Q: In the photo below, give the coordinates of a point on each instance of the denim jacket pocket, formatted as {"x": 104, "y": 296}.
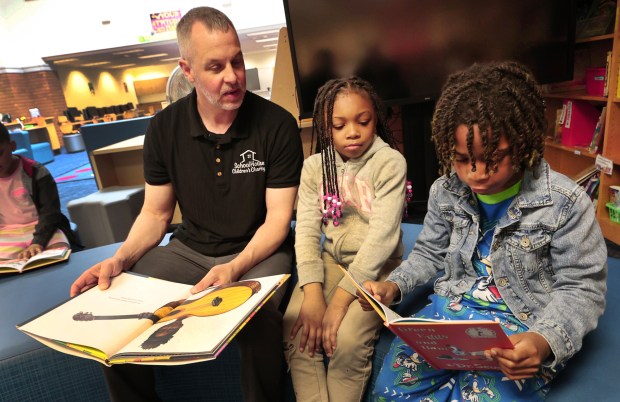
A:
{"x": 528, "y": 252}
{"x": 459, "y": 223}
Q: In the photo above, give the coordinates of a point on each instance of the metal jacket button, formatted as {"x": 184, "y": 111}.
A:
{"x": 525, "y": 242}
{"x": 502, "y": 282}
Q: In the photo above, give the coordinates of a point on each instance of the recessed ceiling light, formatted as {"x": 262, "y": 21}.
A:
{"x": 65, "y": 61}
{"x": 123, "y": 65}
{"x": 170, "y": 59}
{"x": 271, "y": 31}
{"x": 266, "y": 40}
{"x": 271, "y": 45}
{"x": 150, "y": 56}
{"x": 99, "y": 63}
{"x": 129, "y": 51}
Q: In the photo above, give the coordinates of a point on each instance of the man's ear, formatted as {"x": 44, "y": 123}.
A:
{"x": 187, "y": 70}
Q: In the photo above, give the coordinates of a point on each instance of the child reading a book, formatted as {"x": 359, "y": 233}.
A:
{"x": 352, "y": 193}
{"x": 506, "y": 239}
{"x": 30, "y": 216}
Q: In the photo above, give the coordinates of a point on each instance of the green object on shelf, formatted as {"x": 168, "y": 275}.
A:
{"x": 614, "y": 212}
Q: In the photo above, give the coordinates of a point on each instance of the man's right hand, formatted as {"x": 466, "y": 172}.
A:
{"x": 99, "y": 274}
{"x": 385, "y": 292}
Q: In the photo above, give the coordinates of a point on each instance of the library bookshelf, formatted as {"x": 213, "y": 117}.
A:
{"x": 591, "y": 52}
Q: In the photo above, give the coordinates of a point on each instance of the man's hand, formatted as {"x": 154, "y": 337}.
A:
{"x": 31, "y": 251}
{"x": 98, "y": 274}
{"x": 218, "y": 275}
{"x": 385, "y": 292}
{"x": 310, "y": 319}
{"x": 524, "y": 361}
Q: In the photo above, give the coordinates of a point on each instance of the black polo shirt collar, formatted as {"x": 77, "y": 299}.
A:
{"x": 236, "y": 129}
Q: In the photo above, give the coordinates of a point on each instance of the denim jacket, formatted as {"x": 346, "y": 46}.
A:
{"x": 548, "y": 255}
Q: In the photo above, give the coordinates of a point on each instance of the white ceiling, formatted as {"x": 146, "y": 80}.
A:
{"x": 252, "y": 40}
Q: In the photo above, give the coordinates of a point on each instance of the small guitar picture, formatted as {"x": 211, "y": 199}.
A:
{"x": 220, "y": 300}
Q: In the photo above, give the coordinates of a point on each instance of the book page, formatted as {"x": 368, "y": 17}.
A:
{"x": 48, "y": 257}
{"x": 40, "y": 259}
{"x": 387, "y": 314}
{"x": 11, "y": 265}
{"x": 106, "y": 320}
{"x": 204, "y": 323}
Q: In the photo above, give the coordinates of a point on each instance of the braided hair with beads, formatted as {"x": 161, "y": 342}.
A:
{"x": 502, "y": 98}
{"x": 322, "y": 126}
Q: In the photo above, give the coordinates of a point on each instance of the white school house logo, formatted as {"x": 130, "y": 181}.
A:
{"x": 248, "y": 164}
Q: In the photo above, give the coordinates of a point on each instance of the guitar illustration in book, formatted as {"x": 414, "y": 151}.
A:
{"x": 220, "y": 300}
{"x": 135, "y": 321}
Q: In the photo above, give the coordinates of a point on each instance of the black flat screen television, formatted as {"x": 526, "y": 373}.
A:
{"x": 407, "y": 48}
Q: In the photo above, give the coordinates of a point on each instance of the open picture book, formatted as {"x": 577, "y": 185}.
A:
{"x": 444, "y": 344}
{"x": 145, "y": 320}
{"x": 46, "y": 257}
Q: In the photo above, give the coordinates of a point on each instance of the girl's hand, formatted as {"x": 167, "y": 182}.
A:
{"x": 331, "y": 322}
{"x": 30, "y": 252}
{"x": 524, "y": 361}
{"x": 385, "y": 292}
{"x": 309, "y": 320}
{"x": 338, "y": 307}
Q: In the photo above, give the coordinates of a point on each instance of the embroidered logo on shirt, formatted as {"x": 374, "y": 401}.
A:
{"x": 248, "y": 164}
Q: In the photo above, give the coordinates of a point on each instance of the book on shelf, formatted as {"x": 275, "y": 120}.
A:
{"x": 44, "y": 258}
{"x": 599, "y": 132}
{"x": 144, "y": 320}
{"x": 592, "y": 184}
{"x": 444, "y": 344}
{"x": 583, "y": 176}
{"x": 607, "y": 72}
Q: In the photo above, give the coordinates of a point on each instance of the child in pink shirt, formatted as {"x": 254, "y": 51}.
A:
{"x": 30, "y": 216}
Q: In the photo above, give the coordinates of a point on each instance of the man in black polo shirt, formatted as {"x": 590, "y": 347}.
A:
{"x": 232, "y": 161}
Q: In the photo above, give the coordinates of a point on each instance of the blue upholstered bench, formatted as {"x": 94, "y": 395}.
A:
{"x": 40, "y": 152}
{"x": 30, "y": 371}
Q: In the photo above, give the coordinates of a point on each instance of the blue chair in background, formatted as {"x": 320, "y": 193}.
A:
{"x": 23, "y": 143}
{"x": 40, "y": 152}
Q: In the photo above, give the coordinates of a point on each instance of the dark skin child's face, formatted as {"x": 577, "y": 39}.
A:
{"x": 8, "y": 162}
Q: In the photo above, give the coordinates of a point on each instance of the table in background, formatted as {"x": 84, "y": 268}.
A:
{"x": 121, "y": 164}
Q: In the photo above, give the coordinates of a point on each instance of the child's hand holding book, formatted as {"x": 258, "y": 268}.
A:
{"x": 524, "y": 361}
{"x": 385, "y": 292}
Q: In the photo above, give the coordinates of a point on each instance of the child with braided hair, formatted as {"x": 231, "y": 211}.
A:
{"x": 352, "y": 193}
{"x": 505, "y": 238}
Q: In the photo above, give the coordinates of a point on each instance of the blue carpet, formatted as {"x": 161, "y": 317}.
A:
{"x": 67, "y": 162}
{"x": 63, "y": 165}
{"x": 83, "y": 173}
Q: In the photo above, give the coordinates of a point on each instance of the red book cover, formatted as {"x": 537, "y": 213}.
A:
{"x": 444, "y": 344}
{"x": 452, "y": 345}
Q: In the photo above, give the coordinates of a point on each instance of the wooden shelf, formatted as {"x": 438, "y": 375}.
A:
{"x": 591, "y": 52}
{"x": 610, "y": 229}
{"x": 598, "y": 38}
{"x": 576, "y": 95}
{"x": 580, "y": 151}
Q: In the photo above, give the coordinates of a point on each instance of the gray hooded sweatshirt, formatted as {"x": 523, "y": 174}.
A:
{"x": 372, "y": 189}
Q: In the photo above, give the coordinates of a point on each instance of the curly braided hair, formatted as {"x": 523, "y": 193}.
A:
{"x": 501, "y": 98}
{"x": 322, "y": 123}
